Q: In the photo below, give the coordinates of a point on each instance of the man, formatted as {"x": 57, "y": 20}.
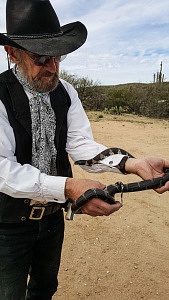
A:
{"x": 41, "y": 122}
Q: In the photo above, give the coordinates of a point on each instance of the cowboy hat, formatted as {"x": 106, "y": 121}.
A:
{"x": 33, "y": 25}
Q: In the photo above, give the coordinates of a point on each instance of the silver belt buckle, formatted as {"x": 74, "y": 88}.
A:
{"x": 34, "y": 212}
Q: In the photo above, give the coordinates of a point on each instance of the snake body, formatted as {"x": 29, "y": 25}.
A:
{"x": 105, "y": 153}
{"x": 107, "y": 194}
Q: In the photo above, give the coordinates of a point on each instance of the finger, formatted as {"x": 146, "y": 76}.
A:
{"x": 97, "y": 207}
{"x": 166, "y": 164}
{"x": 93, "y": 207}
{"x": 163, "y": 189}
{"x": 111, "y": 208}
{"x": 103, "y": 212}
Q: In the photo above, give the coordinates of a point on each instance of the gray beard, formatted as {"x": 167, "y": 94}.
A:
{"x": 36, "y": 84}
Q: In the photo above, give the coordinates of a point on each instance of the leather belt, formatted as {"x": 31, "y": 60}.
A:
{"x": 39, "y": 211}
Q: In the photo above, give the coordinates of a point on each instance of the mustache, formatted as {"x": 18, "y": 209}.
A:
{"x": 48, "y": 74}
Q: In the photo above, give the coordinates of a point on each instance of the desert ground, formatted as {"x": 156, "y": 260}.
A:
{"x": 124, "y": 256}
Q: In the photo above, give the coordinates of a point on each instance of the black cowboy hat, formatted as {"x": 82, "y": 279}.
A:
{"x": 33, "y": 25}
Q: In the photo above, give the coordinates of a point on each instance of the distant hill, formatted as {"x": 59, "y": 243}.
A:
{"x": 136, "y": 85}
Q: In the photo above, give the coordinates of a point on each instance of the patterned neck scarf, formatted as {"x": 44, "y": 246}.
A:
{"x": 43, "y": 128}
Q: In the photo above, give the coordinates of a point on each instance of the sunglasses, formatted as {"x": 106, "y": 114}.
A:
{"x": 42, "y": 60}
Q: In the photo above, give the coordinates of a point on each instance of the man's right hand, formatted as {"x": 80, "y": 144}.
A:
{"x": 74, "y": 188}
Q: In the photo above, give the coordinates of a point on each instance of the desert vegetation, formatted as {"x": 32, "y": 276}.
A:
{"x": 146, "y": 99}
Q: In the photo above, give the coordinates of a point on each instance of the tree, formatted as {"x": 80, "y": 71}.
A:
{"x": 87, "y": 89}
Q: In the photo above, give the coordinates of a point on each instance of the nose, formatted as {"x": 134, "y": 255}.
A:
{"x": 52, "y": 65}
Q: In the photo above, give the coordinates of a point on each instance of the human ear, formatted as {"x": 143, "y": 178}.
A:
{"x": 11, "y": 51}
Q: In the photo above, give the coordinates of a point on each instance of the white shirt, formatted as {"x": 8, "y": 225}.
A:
{"x": 26, "y": 181}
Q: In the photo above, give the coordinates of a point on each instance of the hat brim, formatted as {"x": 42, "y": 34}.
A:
{"x": 74, "y": 36}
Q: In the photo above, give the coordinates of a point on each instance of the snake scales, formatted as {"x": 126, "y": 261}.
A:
{"x": 102, "y": 155}
{"x": 107, "y": 194}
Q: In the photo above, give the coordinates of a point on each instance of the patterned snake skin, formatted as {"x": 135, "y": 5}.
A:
{"x": 108, "y": 193}
{"x": 102, "y": 155}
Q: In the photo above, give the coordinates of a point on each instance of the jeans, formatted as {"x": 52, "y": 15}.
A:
{"x": 34, "y": 248}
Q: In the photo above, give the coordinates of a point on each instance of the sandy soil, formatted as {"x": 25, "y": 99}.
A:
{"x": 124, "y": 256}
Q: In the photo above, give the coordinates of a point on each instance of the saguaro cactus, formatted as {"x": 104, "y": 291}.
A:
{"x": 159, "y": 77}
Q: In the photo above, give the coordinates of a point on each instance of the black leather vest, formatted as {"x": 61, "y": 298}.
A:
{"x": 17, "y": 106}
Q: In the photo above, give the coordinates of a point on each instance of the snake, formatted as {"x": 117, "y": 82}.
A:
{"x": 105, "y": 153}
{"x": 108, "y": 193}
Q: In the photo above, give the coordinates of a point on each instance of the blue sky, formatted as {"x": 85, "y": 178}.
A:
{"x": 126, "y": 42}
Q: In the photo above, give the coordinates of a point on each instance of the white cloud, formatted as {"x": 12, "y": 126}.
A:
{"x": 2, "y": 16}
{"x": 127, "y": 39}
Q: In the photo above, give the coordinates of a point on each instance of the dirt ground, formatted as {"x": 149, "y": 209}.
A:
{"x": 124, "y": 256}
